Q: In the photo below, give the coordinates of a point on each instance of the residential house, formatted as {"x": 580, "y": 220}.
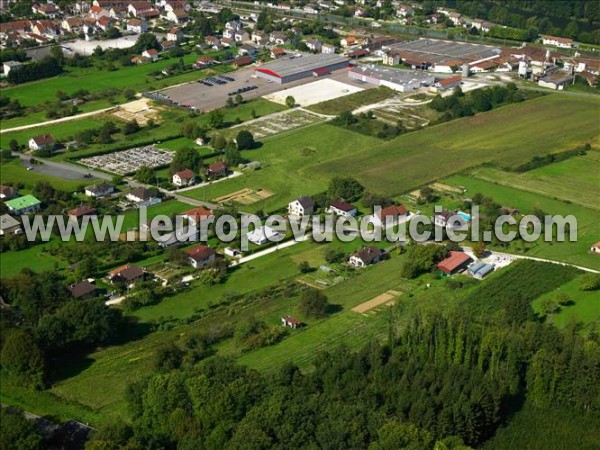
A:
{"x": 42, "y": 142}
{"x": 328, "y": 49}
{"x": 48, "y": 10}
{"x": 264, "y": 235}
{"x": 390, "y": 215}
{"x": 278, "y": 38}
{"x": 96, "y": 12}
{"x": 7, "y": 192}
{"x": 404, "y": 10}
{"x": 241, "y": 35}
{"x": 136, "y": 9}
{"x": 151, "y": 54}
{"x": 82, "y": 290}
{"x": 127, "y": 274}
{"x": 213, "y": 41}
{"x": 119, "y": 12}
{"x": 99, "y": 190}
{"x": 314, "y": 45}
{"x": 446, "y": 83}
{"x": 201, "y": 256}
{"x": 81, "y": 211}
{"x": 303, "y": 206}
{"x": 227, "y": 42}
{"x": 166, "y": 46}
{"x": 104, "y": 23}
{"x": 247, "y": 49}
{"x": 447, "y": 219}
{"x": 259, "y": 37}
{"x": 203, "y": 61}
{"x": 348, "y": 41}
{"x": 196, "y": 215}
{"x": 9, "y": 225}
{"x": 454, "y": 262}
{"x": 23, "y": 205}
{"x": 72, "y": 24}
{"x": 137, "y": 26}
{"x": 277, "y": 52}
{"x": 143, "y": 197}
{"x": 184, "y": 177}
{"x": 175, "y": 34}
{"x": 7, "y": 66}
{"x": 366, "y": 256}
{"x": 341, "y": 208}
{"x": 557, "y": 41}
{"x": 177, "y": 16}
{"x": 291, "y": 322}
{"x": 217, "y": 169}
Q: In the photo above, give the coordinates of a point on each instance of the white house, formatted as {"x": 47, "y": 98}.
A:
{"x": 264, "y": 235}
{"x": 184, "y": 177}
{"x": 314, "y": 45}
{"x": 304, "y": 206}
{"x": 99, "y": 190}
{"x": 390, "y": 216}
{"x": 201, "y": 256}
{"x": 137, "y": 26}
{"x": 447, "y": 219}
{"x": 366, "y": 256}
{"x": 41, "y": 142}
{"x": 151, "y": 54}
{"x": 557, "y": 41}
{"x": 328, "y": 49}
{"x": 341, "y": 208}
{"x": 142, "y": 197}
{"x": 194, "y": 216}
{"x": 175, "y": 34}
{"x": 595, "y": 248}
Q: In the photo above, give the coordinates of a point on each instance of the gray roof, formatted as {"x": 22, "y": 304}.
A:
{"x": 306, "y": 202}
{"x": 397, "y": 76}
{"x": 7, "y": 221}
{"x": 303, "y": 63}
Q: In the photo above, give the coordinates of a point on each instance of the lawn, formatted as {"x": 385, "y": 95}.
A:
{"x": 60, "y": 131}
{"x": 575, "y": 180}
{"x": 168, "y": 208}
{"x": 584, "y": 309}
{"x": 285, "y": 159}
{"x": 507, "y": 136}
{"x": 352, "y": 101}
{"x": 34, "y": 258}
{"x": 95, "y": 79}
{"x": 588, "y": 227}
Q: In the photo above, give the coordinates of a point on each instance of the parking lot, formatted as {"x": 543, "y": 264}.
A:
{"x": 205, "y": 97}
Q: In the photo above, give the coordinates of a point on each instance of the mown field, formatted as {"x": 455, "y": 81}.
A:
{"x": 575, "y": 180}
{"x": 284, "y": 158}
{"x": 352, "y": 101}
{"x": 507, "y": 137}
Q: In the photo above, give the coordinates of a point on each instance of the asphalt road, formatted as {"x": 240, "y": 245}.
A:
{"x": 66, "y": 171}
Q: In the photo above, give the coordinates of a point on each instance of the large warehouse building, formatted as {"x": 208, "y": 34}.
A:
{"x": 301, "y": 66}
{"x": 396, "y": 79}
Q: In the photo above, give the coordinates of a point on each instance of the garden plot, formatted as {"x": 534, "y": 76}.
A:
{"x": 386, "y": 298}
{"x": 411, "y": 118}
{"x": 278, "y": 123}
{"x": 129, "y": 161}
{"x": 245, "y": 196}
{"x": 141, "y": 111}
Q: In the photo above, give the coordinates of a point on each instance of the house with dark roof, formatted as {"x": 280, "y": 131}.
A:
{"x": 143, "y": 197}
{"x": 303, "y": 206}
{"x": 82, "y": 290}
{"x": 7, "y": 192}
{"x": 366, "y": 256}
{"x": 99, "y": 190}
{"x": 41, "y": 142}
{"x": 127, "y": 274}
{"x": 454, "y": 262}
{"x": 201, "y": 256}
{"x": 216, "y": 170}
{"x": 9, "y": 225}
{"x": 184, "y": 178}
{"x": 341, "y": 208}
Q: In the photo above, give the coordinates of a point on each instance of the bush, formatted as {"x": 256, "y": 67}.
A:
{"x": 313, "y": 303}
{"x": 245, "y": 140}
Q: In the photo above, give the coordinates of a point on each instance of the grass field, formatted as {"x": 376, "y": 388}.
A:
{"x": 575, "y": 180}
{"x": 60, "y": 131}
{"x": 11, "y": 263}
{"x": 352, "y": 101}
{"x": 284, "y": 158}
{"x": 134, "y": 77}
{"x": 588, "y": 227}
{"x": 507, "y": 136}
{"x": 585, "y": 307}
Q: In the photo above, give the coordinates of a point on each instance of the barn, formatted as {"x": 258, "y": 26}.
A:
{"x": 301, "y": 66}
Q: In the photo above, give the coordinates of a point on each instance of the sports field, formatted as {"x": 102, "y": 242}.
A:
{"x": 508, "y": 136}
